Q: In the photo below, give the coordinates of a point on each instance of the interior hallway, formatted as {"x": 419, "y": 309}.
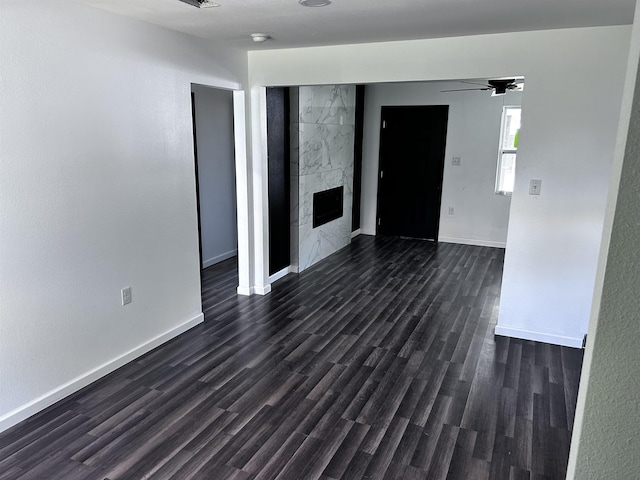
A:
{"x": 378, "y": 362}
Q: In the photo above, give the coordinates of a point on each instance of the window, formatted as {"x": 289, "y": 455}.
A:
{"x": 508, "y": 148}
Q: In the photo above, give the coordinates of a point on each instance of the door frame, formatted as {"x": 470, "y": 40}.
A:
{"x": 242, "y": 184}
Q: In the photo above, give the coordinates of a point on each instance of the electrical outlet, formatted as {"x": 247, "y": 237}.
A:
{"x": 126, "y": 295}
{"x": 456, "y": 161}
{"x": 452, "y": 211}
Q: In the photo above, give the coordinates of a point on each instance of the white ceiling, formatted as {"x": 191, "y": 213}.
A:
{"x": 359, "y": 21}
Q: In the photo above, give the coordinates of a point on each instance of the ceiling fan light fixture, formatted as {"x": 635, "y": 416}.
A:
{"x": 314, "y": 3}
{"x": 201, "y": 3}
{"x": 260, "y": 37}
{"x": 500, "y": 86}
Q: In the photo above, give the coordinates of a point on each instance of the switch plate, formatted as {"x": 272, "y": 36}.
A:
{"x": 126, "y": 295}
{"x": 535, "y": 186}
{"x": 452, "y": 211}
{"x": 456, "y": 161}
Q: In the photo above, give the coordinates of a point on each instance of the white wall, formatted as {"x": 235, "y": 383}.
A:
{"x": 97, "y": 192}
{"x": 216, "y": 174}
{"x": 553, "y": 239}
{"x": 481, "y": 217}
{"x": 606, "y": 436}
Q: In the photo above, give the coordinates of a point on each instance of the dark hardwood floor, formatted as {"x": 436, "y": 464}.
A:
{"x": 380, "y": 363}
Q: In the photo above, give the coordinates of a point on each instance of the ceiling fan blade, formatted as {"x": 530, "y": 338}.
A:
{"x": 465, "y": 90}
{"x": 475, "y": 83}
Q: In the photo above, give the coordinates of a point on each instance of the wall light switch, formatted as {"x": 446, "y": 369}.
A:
{"x": 456, "y": 161}
{"x": 535, "y": 186}
{"x": 452, "y": 211}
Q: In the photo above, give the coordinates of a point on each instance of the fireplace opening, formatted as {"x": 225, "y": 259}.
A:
{"x": 327, "y": 206}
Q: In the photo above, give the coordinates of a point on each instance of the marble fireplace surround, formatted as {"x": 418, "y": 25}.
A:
{"x": 322, "y": 147}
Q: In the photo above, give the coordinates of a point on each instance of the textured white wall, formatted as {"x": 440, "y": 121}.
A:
{"x": 610, "y": 431}
{"x": 553, "y": 239}
{"x": 473, "y": 132}
{"x": 606, "y": 435}
{"x": 97, "y": 192}
{"x": 216, "y": 174}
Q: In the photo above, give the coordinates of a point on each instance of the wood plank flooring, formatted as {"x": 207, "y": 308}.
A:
{"x": 379, "y": 363}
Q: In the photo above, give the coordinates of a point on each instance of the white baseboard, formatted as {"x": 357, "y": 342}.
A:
{"x": 278, "y": 275}
{"x": 262, "y": 290}
{"x": 246, "y": 291}
{"x": 34, "y": 406}
{"x": 255, "y": 290}
{"x": 355, "y": 233}
{"x": 554, "y": 339}
{"x": 472, "y": 241}
{"x": 294, "y": 268}
{"x": 219, "y": 258}
{"x": 371, "y": 233}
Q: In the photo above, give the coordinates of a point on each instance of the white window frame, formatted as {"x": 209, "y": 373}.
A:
{"x": 505, "y": 151}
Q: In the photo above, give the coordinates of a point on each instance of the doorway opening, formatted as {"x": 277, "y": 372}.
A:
{"x": 216, "y": 196}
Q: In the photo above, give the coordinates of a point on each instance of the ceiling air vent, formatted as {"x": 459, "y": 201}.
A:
{"x": 201, "y": 3}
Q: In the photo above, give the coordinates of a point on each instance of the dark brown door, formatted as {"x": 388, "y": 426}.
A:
{"x": 412, "y": 146}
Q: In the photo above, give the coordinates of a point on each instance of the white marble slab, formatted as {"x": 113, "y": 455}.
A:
{"x": 309, "y": 246}
{"x": 328, "y": 104}
{"x": 323, "y": 135}
{"x": 325, "y": 147}
{"x": 294, "y": 147}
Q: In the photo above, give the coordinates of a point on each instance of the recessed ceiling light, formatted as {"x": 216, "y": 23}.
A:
{"x": 260, "y": 37}
{"x": 314, "y": 3}
{"x": 201, "y": 3}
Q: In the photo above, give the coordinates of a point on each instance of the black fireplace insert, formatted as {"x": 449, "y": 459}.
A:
{"x": 327, "y": 206}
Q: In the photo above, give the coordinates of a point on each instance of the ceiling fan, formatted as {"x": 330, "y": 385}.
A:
{"x": 201, "y": 3}
{"x": 498, "y": 86}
